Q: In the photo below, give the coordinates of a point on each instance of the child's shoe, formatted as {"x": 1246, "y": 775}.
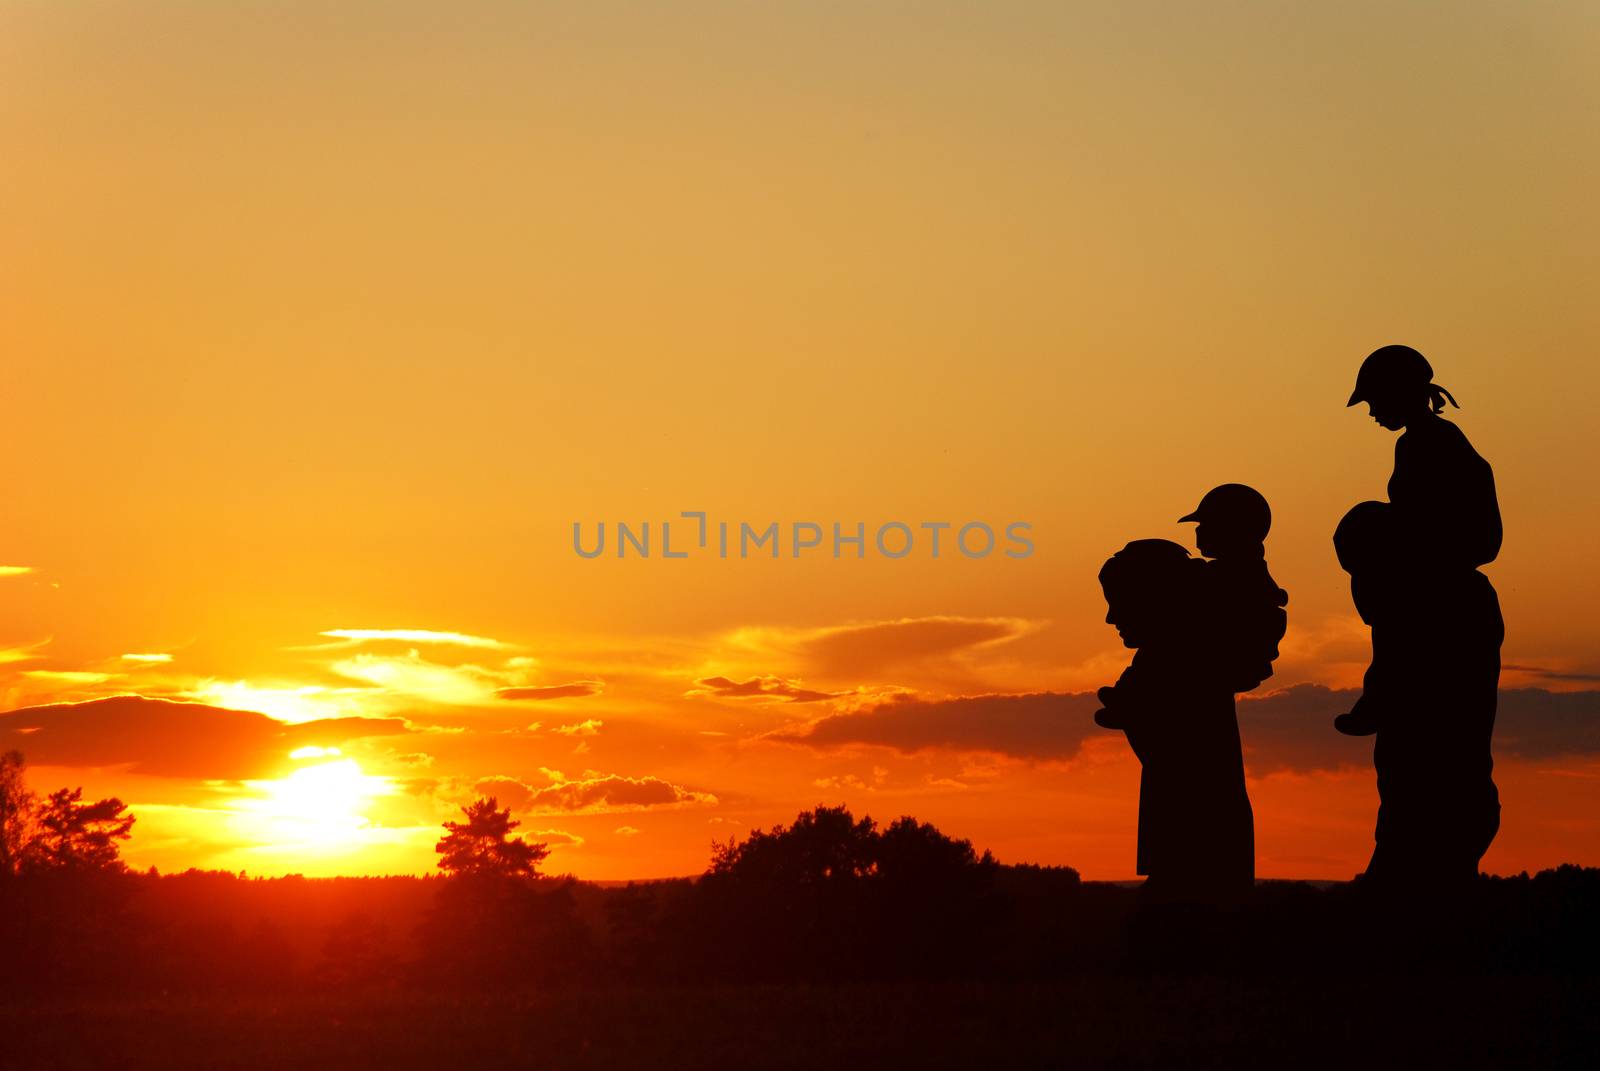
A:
{"x": 1361, "y": 720}
{"x": 1107, "y": 717}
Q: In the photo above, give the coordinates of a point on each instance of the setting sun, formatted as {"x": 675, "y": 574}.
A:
{"x": 318, "y": 807}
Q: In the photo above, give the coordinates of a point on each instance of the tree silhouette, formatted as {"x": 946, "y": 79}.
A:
{"x": 490, "y": 924}
{"x": 62, "y": 833}
{"x": 836, "y": 896}
{"x": 480, "y": 846}
{"x": 822, "y": 845}
{"x": 16, "y": 814}
{"x": 73, "y": 835}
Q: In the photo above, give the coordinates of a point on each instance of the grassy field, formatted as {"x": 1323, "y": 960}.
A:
{"x": 1113, "y": 1022}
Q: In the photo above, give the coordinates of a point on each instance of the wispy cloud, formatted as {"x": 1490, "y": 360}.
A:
{"x": 572, "y": 690}
{"x": 763, "y": 687}
{"x": 147, "y": 659}
{"x": 68, "y": 676}
{"x": 26, "y": 652}
{"x": 15, "y": 570}
{"x": 416, "y": 635}
{"x": 1548, "y": 674}
{"x": 858, "y": 651}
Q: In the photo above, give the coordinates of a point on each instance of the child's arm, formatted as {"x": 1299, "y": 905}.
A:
{"x": 1119, "y": 701}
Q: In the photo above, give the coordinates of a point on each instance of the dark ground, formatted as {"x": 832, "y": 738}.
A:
{"x": 1110, "y": 1021}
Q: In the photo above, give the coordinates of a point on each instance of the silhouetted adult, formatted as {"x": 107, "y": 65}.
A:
{"x": 1175, "y": 702}
{"x": 1438, "y": 648}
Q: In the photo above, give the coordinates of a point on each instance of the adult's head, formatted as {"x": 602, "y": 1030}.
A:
{"x": 1148, "y": 590}
{"x": 1397, "y": 384}
{"x": 1233, "y": 519}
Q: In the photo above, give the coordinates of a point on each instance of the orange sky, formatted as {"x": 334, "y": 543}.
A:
{"x": 321, "y": 325}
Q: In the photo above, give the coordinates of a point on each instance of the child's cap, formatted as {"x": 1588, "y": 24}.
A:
{"x": 1236, "y": 508}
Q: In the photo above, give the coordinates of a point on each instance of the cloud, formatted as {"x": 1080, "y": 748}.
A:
{"x": 861, "y": 650}
{"x": 507, "y": 791}
{"x": 593, "y": 793}
{"x": 767, "y": 687}
{"x": 552, "y": 691}
{"x": 850, "y": 781}
{"x": 68, "y": 676}
{"x": 591, "y": 727}
{"x": 412, "y": 675}
{"x": 147, "y": 659}
{"x": 554, "y": 838}
{"x": 416, "y": 635}
{"x": 626, "y": 831}
{"x": 1293, "y": 729}
{"x": 26, "y": 652}
{"x": 1039, "y": 725}
{"x": 1287, "y": 730}
{"x": 1536, "y": 724}
{"x": 291, "y": 703}
{"x": 1542, "y": 673}
{"x": 15, "y": 570}
{"x": 165, "y": 738}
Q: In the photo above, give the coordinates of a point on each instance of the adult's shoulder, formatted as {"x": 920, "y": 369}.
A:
{"x": 1435, "y": 437}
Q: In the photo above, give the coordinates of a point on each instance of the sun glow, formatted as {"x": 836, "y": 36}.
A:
{"x": 321, "y": 806}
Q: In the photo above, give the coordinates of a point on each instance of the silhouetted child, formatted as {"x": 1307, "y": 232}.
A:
{"x": 1245, "y": 603}
{"x": 1364, "y": 542}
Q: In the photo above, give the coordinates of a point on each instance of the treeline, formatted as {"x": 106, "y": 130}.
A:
{"x": 784, "y": 911}
{"x": 830, "y": 897}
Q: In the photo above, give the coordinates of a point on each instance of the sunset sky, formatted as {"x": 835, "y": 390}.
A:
{"x": 321, "y": 325}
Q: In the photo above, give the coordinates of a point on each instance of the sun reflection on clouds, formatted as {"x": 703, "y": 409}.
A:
{"x": 294, "y": 704}
{"x": 411, "y": 674}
